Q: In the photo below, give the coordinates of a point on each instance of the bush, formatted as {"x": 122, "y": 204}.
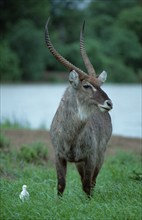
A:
{"x": 35, "y": 153}
{"x": 9, "y": 63}
{"x": 4, "y": 142}
{"x": 14, "y": 123}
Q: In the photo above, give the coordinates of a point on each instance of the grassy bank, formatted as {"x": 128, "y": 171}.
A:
{"x": 118, "y": 193}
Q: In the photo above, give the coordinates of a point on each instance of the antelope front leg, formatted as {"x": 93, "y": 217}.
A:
{"x": 87, "y": 186}
{"x": 95, "y": 174}
{"x": 61, "y": 166}
{"x": 80, "y": 168}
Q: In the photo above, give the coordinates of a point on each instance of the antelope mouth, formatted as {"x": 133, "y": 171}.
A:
{"x": 107, "y": 106}
{"x": 104, "y": 109}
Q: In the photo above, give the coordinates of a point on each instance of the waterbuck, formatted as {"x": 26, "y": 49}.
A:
{"x": 81, "y": 127}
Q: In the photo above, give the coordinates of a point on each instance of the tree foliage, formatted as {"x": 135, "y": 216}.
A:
{"x": 9, "y": 64}
{"x": 28, "y": 45}
{"x": 113, "y": 37}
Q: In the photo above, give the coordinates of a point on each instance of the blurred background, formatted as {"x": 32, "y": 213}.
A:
{"x": 113, "y": 40}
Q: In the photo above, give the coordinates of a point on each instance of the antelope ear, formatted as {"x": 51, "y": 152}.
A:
{"x": 74, "y": 79}
{"x": 102, "y": 77}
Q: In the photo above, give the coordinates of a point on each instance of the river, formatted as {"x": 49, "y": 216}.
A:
{"x": 37, "y": 104}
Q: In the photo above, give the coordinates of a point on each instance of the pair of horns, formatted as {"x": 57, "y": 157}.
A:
{"x": 64, "y": 61}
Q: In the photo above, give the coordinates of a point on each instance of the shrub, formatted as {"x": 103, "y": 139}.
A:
{"x": 4, "y": 142}
{"x": 14, "y": 123}
{"x": 34, "y": 153}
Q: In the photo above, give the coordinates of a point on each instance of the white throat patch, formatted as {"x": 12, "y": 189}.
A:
{"x": 83, "y": 113}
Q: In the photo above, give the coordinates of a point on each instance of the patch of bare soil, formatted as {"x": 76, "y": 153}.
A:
{"x": 19, "y": 137}
{"x": 117, "y": 143}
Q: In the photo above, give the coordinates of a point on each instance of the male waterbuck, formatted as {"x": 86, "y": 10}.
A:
{"x": 81, "y": 127}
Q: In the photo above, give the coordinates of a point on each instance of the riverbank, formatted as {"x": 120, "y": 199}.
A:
{"x": 117, "y": 194}
{"x": 20, "y": 137}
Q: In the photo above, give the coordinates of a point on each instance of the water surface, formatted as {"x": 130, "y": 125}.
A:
{"x": 37, "y": 104}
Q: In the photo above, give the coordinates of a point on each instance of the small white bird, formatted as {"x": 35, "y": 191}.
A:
{"x": 24, "y": 195}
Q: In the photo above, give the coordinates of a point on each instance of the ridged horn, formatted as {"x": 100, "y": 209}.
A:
{"x": 84, "y": 55}
{"x": 60, "y": 58}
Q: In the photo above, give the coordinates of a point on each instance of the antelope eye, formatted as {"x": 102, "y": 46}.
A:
{"x": 87, "y": 86}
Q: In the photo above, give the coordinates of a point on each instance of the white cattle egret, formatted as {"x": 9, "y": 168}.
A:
{"x": 24, "y": 195}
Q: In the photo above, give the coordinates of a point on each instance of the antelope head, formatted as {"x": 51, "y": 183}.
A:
{"x": 87, "y": 85}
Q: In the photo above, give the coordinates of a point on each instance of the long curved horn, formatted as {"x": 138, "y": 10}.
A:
{"x": 61, "y": 59}
{"x": 84, "y": 55}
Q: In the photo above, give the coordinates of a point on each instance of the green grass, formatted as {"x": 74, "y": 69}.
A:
{"x": 118, "y": 193}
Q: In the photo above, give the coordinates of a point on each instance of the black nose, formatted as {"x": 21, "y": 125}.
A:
{"x": 109, "y": 103}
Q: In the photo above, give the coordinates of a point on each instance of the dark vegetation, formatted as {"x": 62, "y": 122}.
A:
{"x": 113, "y": 38}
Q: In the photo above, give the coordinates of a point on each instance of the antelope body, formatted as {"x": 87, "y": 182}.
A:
{"x": 81, "y": 127}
